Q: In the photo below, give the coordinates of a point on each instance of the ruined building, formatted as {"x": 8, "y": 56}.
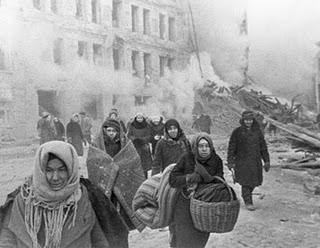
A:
{"x": 65, "y": 56}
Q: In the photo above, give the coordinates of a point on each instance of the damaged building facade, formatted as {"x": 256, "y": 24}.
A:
{"x": 66, "y": 56}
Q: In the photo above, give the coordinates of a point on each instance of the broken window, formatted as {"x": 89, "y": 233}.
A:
{"x": 95, "y": 11}
{"x": 54, "y": 6}
{"x": 116, "y": 13}
{"x": 79, "y": 8}
{"x": 116, "y": 59}
{"x": 83, "y": 49}
{"x": 162, "y": 26}
{"x": 170, "y": 63}
{"x": 37, "y": 4}
{"x": 146, "y": 21}
{"x": 135, "y": 61}
{"x": 147, "y": 67}
{"x": 172, "y": 28}
{"x": 134, "y": 18}
{"x": 2, "y": 60}
{"x": 57, "y": 51}
{"x": 97, "y": 54}
{"x": 162, "y": 65}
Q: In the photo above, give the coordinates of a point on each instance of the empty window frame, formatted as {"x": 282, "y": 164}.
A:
{"x": 162, "y": 26}
{"x": 82, "y": 49}
{"x": 97, "y": 54}
{"x": 147, "y": 65}
{"x": 79, "y": 8}
{"x": 172, "y": 29}
{"x": 146, "y": 22}
{"x": 162, "y": 65}
{"x": 135, "y": 63}
{"x": 116, "y": 58}
{"x": 95, "y": 10}
{"x": 116, "y": 5}
{"x": 58, "y": 51}
{"x": 134, "y": 18}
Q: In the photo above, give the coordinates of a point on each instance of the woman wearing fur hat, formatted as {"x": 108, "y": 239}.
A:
{"x": 53, "y": 208}
{"x": 247, "y": 147}
{"x": 184, "y": 176}
{"x": 110, "y": 139}
{"x": 140, "y": 133}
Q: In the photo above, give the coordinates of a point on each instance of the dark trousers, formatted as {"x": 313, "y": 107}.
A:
{"x": 246, "y": 193}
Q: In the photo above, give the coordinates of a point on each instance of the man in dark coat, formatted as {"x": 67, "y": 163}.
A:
{"x": 203, "y": 123}
{"x": 247, "y": 147}
{"x": 157, "y": 128}
{"x": 60, "y": 130}
{"x": 86, "y": 125}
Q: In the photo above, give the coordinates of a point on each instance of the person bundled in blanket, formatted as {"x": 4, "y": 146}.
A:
{"x": 197, "y": 166}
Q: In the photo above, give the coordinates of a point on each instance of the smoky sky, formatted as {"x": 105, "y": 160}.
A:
{"x": 281, "y": 37}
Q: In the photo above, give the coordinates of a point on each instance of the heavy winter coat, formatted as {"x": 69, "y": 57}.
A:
{"x": 75, "y": 136}
{"x": 46, "y": 130}
{"x": 246, "y": 149}
{"x": 168, "y": 152}
{"x": 60, "y": 130}
{"x": 187, "y": 236}
{"x": 86, "y": 232}
{"x": 140, "y": 134}
{"x": 156, "y": 130}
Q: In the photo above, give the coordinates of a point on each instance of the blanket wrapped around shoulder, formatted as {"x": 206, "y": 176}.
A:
{"x": 155, "y": 199}
{"x": 121, "y": 175}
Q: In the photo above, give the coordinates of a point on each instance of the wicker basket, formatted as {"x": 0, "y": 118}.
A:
{"x": 215, "y": 217}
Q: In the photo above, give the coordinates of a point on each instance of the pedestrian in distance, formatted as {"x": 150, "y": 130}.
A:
{"x": 247, "y": 148}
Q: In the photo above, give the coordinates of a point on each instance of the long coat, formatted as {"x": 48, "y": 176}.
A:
{"x": 156, "y": 130}
{"x": 141, "y": 138}
{"x": 75, "y": 136}
{"x": 187, "y": 236}
{"x": 46, "y": 130}
{"x": 247, "y": 147}
{"x": 60, "y": 130}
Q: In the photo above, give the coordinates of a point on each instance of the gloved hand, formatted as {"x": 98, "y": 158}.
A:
{"x": 266, "y": 166}
{"x": 193, "y": 178}
{"x": 231, "y": 166}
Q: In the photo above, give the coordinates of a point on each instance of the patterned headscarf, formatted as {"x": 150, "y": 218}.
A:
{"x": 43, "y": 203}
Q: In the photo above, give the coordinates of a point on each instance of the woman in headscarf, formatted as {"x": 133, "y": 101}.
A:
{"x": 52, "y": 208}
{"x": 184, "y": 177}
{"x": 110, "y": 139}
{"x": 140, "y": 133}
{"x": 168, "y": 151}
{"x": 74, "y": 134}
{"x": 157, "y": 129}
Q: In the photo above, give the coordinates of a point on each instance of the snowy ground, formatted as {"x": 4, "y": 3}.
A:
{"x": 287, "y": 216}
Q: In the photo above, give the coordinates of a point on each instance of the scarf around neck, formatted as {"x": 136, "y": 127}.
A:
{"x": 44, "y": 204}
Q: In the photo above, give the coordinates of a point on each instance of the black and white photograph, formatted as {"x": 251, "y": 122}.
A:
{"x": 159, "y": 124}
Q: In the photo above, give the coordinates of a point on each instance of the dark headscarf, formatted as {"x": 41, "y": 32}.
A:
{"x": 112, "y": 123}
{"x": 195, "y": 143}
{"x": 173, "y": 122}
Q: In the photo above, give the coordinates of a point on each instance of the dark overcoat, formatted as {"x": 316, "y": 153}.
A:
{"x": 75, "y": 136}
{"x": 247, "y": 148}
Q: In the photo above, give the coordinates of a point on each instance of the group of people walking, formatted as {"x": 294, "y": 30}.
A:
{"x": 55, "y": 209}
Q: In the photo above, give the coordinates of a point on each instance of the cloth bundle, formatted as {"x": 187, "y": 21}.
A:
{"x": 214, "y": 192}
{"x": 155, "y": 199}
